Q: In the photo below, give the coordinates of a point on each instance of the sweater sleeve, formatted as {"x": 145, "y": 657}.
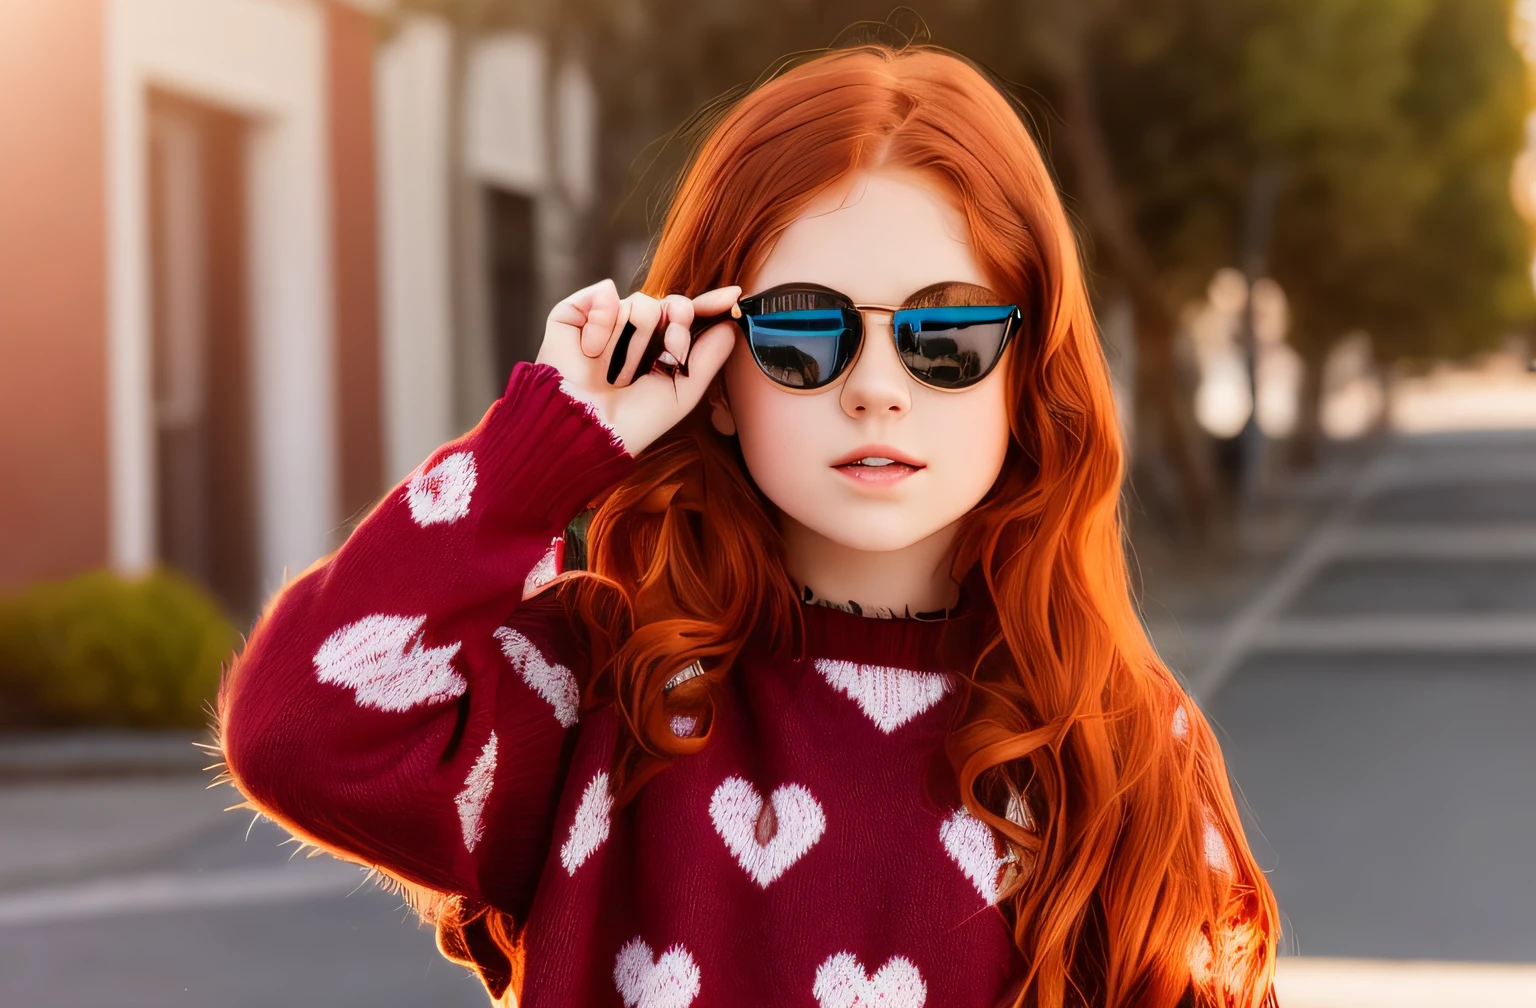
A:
{"x": 398, "y": 703}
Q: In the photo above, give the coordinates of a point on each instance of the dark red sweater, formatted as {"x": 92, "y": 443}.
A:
{"x": 402, "y": 705}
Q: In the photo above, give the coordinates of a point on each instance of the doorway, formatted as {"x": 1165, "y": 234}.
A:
{"x": 199, "y": 313}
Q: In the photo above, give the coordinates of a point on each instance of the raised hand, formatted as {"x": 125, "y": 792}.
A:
{"x": 582, "y": 337}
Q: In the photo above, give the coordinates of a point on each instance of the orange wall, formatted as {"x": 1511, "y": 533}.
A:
{"x": 53, "y": 449}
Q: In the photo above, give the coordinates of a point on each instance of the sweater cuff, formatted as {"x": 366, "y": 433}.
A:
{"x": 564, "y": 456}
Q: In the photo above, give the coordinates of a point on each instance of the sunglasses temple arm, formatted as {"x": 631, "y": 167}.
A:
{"x": 653, "y": 350}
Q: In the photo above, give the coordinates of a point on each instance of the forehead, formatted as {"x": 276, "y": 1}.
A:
{"x": 877, "y": 237}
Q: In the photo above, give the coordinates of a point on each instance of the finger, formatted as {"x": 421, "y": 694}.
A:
{"x": 678, "y": 311}
{"x": 630, "y": 344}
{"x": 717, "y": 301}
{"x": 594, "y": 311}
{"x": 709, "y": 353}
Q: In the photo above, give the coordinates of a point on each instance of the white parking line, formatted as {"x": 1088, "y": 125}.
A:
{"x": 1260, "y": 624}
{"x": 1439, "y": 542}
{"x": 1417, "y": 632}
{"x": 157, "y": 892}
{"x": 1254, "y": 618}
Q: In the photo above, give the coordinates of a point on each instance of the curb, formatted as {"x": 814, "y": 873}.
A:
{"x": 102, "y": 753}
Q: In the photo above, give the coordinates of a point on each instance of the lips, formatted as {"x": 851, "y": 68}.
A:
{"x": 878, "y": 452}
{"x": 877, "y": 464}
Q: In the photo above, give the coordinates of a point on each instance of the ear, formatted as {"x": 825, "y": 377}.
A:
{"x": 720, "y": 409}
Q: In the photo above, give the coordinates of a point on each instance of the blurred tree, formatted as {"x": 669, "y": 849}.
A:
{"x": 1399, "y": 139}
{"x": 1392, "y": 125}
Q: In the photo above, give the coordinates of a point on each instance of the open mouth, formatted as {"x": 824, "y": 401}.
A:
{"x": 877, "y": 469}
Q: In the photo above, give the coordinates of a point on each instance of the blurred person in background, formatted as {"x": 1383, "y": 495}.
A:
{"x": 840, "y": 698}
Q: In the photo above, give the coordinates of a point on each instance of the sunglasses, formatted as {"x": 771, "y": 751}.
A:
{"x": 805, "y": 337}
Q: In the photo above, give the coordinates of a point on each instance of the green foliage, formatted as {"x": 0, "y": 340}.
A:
{"x": 1397, "y": 124}
{"x": 102, "y": 650}
{"x": 1393, "y": 124}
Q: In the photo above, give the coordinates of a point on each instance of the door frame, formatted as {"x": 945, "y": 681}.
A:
{"x": 264, "y": 59}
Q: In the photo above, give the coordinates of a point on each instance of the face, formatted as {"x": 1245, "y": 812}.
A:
{"x": 879, "y": 238}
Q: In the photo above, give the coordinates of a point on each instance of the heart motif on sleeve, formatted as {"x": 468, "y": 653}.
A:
{"x": 545, "y": 571}
{"x": 477, "y": 790}
{"x": 382, "y": 659}
{"x": 646, "y": 982}
{"x": 890, "y": 696}
{"x": 442, "y": 493}
{"x": 971, "y": 844}
{"x": 737, "y": 811}
{"x": 554, "y": 682}
{"x": 842, "y": 983}
{"x": 590, "y": 827}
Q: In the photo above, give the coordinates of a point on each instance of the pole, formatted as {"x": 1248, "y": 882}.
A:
{"x": 1264, "y": 187}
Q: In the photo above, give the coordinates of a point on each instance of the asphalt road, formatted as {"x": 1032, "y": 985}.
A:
{"x": 1375, "y": 697}
{"x": 1376, "y": 704}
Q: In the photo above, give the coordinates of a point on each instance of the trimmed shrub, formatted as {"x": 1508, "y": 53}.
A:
{"x": 103, "y": 650}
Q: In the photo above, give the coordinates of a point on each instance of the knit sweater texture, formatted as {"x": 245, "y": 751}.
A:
{"x": 412, "y": 703}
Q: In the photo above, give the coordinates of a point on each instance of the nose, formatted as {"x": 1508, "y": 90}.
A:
{"x": 878, "y": 382}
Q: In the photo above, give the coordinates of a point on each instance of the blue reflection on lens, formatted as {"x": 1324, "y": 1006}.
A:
{"x": 800, "y": 348}
{"x": 953, "y": 345}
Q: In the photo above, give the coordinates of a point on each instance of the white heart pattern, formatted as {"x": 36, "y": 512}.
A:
{"x": 477, "y": 789}
{"x": 842, "y": 983}
{"x": 590, "y": 827}
{"x": 543, "y": 572}
{"x": 555, "y": 683}
{"x": 442, "y": 493}
{"x": 890, "y": 696}
{"x": 382, "y": 660}
{"x": 669, "y": 982}
{"x": 1180, "y": 723}
{"x": 1216, "y": 853}
{"x": 735, "y": 809}
{"x": 974, "y": 848}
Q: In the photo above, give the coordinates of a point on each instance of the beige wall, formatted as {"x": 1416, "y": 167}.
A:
{"x": 53, "y": 451}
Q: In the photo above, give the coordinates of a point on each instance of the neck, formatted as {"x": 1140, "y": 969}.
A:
{"x": 915, "y": 577}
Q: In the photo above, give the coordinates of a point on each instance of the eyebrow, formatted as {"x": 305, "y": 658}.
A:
{"x": 952, "y": 292}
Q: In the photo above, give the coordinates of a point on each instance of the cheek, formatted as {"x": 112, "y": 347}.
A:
{"x": 783, "y": 436}
{"x": 976, "y": 432}
{"x": 966, "y": 438}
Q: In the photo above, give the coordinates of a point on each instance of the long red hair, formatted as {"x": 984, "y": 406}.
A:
{"x": 1140, "y": 879}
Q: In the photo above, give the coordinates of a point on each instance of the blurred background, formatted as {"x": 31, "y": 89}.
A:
{"x": 259, "y": 257}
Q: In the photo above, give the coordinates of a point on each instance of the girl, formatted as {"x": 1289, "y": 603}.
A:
{"x": 850, "y": 704}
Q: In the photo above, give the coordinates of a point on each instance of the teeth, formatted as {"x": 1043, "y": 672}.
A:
{"x": 874, "y": 461}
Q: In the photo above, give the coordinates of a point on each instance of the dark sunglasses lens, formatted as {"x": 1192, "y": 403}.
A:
{"x": 803, "y": 349}
{"x": 952, "y": 347}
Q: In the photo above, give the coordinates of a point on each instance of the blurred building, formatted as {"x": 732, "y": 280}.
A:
{"x": 257, "y": 259}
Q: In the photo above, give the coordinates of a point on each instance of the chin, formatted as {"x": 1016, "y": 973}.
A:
{"x": 871, "y": 534}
